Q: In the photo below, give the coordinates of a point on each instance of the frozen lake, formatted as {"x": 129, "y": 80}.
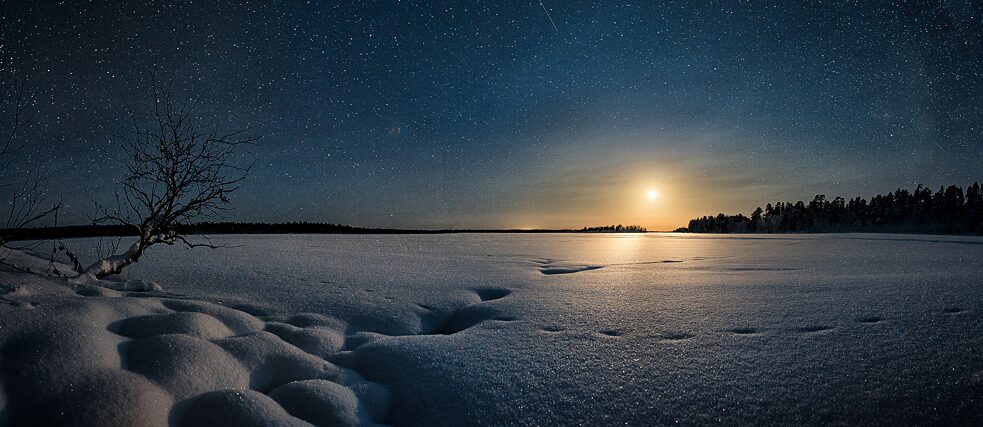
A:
{"x": 637, "y": 329}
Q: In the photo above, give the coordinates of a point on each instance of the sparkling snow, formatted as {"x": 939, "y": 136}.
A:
{"x": 532, "y": 329}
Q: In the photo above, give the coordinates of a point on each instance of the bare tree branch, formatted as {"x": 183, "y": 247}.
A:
{"x": 22, "y": 195}
{"x": 174, "y": 175}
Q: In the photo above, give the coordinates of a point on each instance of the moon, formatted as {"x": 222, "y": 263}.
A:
{"x": 652, "y": 194}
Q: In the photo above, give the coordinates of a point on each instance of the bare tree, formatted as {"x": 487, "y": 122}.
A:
{"x": 22, "y": 196}
{"x": 175, "y": 174}
{"x": 21, "y": 179}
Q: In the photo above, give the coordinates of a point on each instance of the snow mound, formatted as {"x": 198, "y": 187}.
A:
{"x": 60, "y": 365}
{"x": 239, "y": 322}
{"x": 318, "y": 341}
{"x": 244, "y": 408}
{"x": 177, "y": 362}
{"x": 189, "y": 323}
{"x": 273, "y": 362}
{"x": 85, "y": 354}
{"x": 319, "y": 402}
{"x": 307, "y": 320}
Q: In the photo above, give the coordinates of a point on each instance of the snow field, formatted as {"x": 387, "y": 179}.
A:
{"x": 95, "y": 356}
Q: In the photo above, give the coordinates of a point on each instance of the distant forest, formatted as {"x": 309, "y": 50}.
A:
{"x": 948, "y": 211}
{"x": 205, "y": 228}
{"x": 77, "y": 231}
{"x": 615, "y": 229}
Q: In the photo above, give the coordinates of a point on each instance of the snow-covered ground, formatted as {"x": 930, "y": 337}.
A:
{"x": 509, "y": 329}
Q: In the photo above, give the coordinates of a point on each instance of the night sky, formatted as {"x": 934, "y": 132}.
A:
{"x": 482, "y": 114}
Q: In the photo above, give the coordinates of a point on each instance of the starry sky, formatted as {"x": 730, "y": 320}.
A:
{"x": 513, "y": 113}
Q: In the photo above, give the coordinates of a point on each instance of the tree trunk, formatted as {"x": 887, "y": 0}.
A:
{"x": 115, "y": 264}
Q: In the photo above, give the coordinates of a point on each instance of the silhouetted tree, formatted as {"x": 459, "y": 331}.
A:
{"x": 755, "y": 223}
{"x": 974, "y": 208}
{"x": 175, "y": 174}
{"x": 21, "y": 180}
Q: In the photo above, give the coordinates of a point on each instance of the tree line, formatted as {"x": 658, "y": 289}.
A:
{"x": 228, "y": 227}
{"x": 615, "y": 229}
{"x": 951, "y": 210}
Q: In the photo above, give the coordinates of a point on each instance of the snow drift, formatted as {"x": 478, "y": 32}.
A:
{"x": 86, "y": 354}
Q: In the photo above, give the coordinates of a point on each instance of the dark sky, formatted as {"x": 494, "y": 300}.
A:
{"x": 481, "y": 114}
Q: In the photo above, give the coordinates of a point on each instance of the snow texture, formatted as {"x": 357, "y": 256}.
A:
{"x": 507, "y": 329}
